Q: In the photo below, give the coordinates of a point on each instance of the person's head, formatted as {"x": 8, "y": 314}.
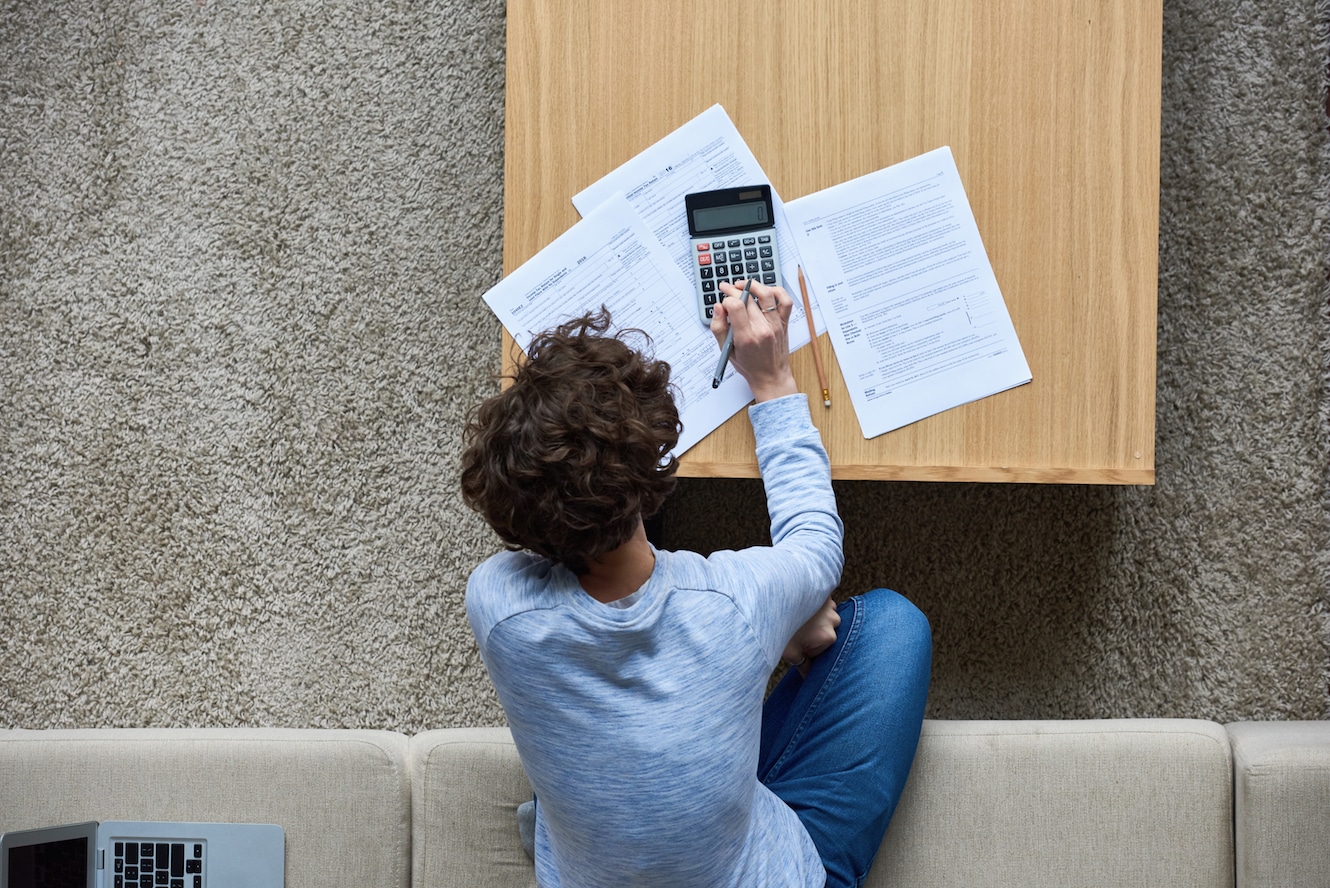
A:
{"x": 576, "y": 451}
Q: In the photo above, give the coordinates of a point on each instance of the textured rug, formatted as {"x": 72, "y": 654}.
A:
{"x": 241, "y": 252}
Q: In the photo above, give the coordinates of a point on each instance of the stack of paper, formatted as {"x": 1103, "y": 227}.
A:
{"x": 893, "y": 260}
{"x": 913, "y": 309}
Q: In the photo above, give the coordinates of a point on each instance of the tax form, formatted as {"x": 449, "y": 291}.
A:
{"x": 611, "y": 258}
{"x": 911, "y": 302}
{"x": 705, "y": 154}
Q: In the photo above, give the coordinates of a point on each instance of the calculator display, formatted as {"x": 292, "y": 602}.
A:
{"x": 733, "y": 216}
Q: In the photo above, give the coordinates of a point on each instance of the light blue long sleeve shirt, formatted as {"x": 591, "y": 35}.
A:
{"x": 639, "y": 726}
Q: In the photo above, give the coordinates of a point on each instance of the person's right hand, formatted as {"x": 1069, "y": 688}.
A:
{"x": 761, "y": 337}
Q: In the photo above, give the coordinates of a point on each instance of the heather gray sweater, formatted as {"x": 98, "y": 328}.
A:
{"x": 639, "y": 726}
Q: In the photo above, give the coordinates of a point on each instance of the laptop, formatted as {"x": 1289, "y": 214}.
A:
{"x": 139, "y": 854}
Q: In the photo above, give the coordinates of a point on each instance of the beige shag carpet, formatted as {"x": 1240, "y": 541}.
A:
{"x": 242, "y": 247}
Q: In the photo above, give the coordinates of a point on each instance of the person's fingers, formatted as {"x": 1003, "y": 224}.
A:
{"x": 720, "y": 324}
{"x": 730, "y": 305}
{"x": 773, "y": 302}
{"x": 739, "y": 314}
{"x": 762, "y": 300}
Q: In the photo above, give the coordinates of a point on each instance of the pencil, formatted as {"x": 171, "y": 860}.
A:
{"x": 812, "y": 337}
{"x": 728, "y": 348}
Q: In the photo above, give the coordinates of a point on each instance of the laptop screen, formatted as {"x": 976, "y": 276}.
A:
{"x": 57, "y": 864}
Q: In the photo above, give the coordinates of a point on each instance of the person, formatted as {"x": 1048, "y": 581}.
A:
{"x": 633, "y": 678}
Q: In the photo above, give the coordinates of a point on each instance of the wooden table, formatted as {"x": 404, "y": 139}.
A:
{"x": 1051, "y": 108}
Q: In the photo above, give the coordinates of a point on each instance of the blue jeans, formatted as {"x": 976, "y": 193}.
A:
{"x": 837, "y": 746}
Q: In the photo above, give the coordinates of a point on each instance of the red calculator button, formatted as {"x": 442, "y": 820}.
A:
{"x": 702, "y": 248}
{"x": 704, "y": 259}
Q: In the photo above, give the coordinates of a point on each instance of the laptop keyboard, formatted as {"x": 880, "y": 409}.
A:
{"x": 158, "y": 865}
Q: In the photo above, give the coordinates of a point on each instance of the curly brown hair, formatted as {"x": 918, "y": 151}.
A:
{"x": 567, "y": 459}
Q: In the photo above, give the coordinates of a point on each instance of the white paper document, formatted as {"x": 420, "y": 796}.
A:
{"x": 705, "y": 154}
{"x": 910, "y": 300}
{"x": 611, "y": 258}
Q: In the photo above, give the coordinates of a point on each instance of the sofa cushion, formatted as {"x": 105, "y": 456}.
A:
{"x": 1282, "y": 780}
{"x": 468, "y": 784}
{"x": 1055, "y": 803}
{"x": 343, "y": 797}
{"x": 1101, "y": 803}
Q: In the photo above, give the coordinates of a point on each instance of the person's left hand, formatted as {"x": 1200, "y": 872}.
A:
{"x": 812, "y": 638}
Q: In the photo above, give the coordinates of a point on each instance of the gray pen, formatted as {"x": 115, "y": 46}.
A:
{"x": 728, "y": 348}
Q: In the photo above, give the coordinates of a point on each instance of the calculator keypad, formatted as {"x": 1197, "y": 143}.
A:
{"x": 730, "y": 259}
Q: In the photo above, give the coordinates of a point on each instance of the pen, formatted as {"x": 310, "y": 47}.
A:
{"x": 812, "y": 337}
{"x": 728, "y": 348}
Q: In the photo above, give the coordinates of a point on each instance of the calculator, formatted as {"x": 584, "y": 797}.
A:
{"x": 733, "y": 234}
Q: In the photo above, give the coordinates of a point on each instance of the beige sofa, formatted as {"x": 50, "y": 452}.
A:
{"x": 1029, "y": 803}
